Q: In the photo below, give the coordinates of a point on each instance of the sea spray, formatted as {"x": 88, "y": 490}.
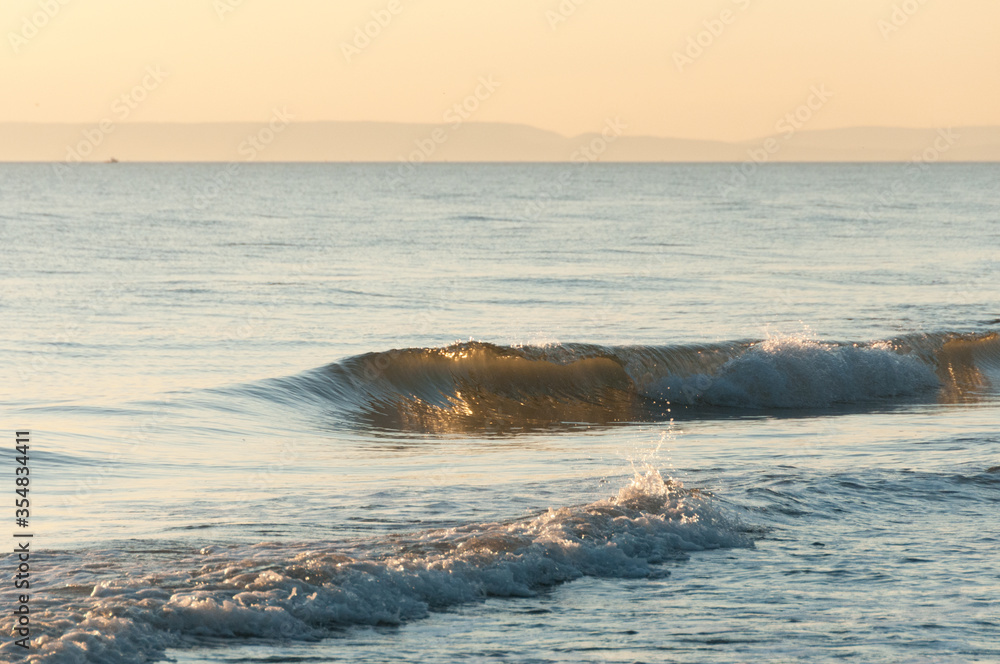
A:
{"x": 309, "y": 590}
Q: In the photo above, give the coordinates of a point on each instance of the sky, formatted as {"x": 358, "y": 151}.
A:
{"x": 709, "y": 69}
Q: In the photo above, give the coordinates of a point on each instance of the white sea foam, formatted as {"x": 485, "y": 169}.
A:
{"x": 302, "y": 592}
{"x": 798, "y": 373}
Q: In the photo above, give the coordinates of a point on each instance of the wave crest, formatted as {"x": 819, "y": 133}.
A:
{"x": 305, "y": 592}
{"x": 480, "y": 387}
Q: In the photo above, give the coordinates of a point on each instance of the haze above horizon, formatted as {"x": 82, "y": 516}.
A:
{"x": 726, "y": 70}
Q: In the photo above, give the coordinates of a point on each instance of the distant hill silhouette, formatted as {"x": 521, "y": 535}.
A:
{"x": 392, "y": 142}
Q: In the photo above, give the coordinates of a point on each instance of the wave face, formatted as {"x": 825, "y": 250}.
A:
{"x": 305, "y": 592}
{"x": 791, "y": 373}
{"x": 477, "y": 387}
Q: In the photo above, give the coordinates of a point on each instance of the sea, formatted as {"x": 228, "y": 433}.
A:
{"x": 533, "y": 413}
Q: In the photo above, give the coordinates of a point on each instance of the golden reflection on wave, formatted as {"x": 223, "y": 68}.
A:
{"x": 479, "y": 388}
{"x": 960, "y": 363}
{"x": 490, "y": 397}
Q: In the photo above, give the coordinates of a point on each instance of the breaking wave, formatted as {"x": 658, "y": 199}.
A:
{"x": 478, "y": 386}
{"x": 117, "y": 610}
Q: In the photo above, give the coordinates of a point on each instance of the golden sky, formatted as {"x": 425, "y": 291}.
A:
{"x": 718, "y": 69}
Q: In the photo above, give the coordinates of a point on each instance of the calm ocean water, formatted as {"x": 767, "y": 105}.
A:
{"x": 505, "y": 413}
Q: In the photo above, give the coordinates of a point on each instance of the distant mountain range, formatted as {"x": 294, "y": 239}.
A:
{"x": 279, "y": 140}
